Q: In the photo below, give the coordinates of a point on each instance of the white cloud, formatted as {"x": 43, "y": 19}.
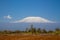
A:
{"x": 8, "y": 17}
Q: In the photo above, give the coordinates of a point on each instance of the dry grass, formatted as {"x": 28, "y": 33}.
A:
{"x": 28, "y": 37}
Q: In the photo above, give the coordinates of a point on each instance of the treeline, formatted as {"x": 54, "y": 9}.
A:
{"x": 32, "y": 30}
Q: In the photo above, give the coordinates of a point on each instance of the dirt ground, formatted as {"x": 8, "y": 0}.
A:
{"x": 28, "y": 37}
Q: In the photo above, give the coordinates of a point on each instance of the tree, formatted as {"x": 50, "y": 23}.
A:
{"x": 57, "y": 31}
{"x": 44, "y": 31}
{"x": 17, "y": 31}
{"x": 26, "y": 30}
{"x": 39, "y": 30}
{"x": 50, "y": 31}
{"x": 7, "y": 31}
{"x": 32, "y": 29}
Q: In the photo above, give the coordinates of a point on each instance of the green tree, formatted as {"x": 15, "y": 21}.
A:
{"x": 7, "y": 32}
{"x": 32, "y": 29}
{"x": 57, "y": 31}
{"x": 17, "y": 31}
{"x": 39, "y": 30}
{"x": 44, "y": 31}
{"x": 50, "y": 31}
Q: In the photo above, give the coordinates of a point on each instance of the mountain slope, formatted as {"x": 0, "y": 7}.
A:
{"x": 23, "y": 26}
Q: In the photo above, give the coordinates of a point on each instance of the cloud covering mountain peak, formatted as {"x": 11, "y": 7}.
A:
{"x": 34, "y": 20}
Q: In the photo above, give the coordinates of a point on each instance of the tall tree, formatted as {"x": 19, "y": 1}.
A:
{"x": 39, "y": 30}
{"x": 44, "y": 31}
{"x": 32, "y": 29}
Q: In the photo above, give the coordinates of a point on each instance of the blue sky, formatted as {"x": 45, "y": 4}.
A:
{"x": 18, "y": 9}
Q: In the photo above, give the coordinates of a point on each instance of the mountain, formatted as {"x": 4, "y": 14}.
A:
{"x": 38, "y": 22}
{"x": 23, "y": 26}
{"x": 34, "y": 20}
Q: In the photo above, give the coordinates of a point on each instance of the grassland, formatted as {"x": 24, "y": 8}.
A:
{"x": 29, "y": 37}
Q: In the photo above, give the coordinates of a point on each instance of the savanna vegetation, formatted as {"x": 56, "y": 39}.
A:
{"x": 30, "y": 34}
{"x": 32, "y": 30}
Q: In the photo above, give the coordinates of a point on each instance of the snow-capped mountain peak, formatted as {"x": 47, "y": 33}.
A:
{"x": 34, "y": 19}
